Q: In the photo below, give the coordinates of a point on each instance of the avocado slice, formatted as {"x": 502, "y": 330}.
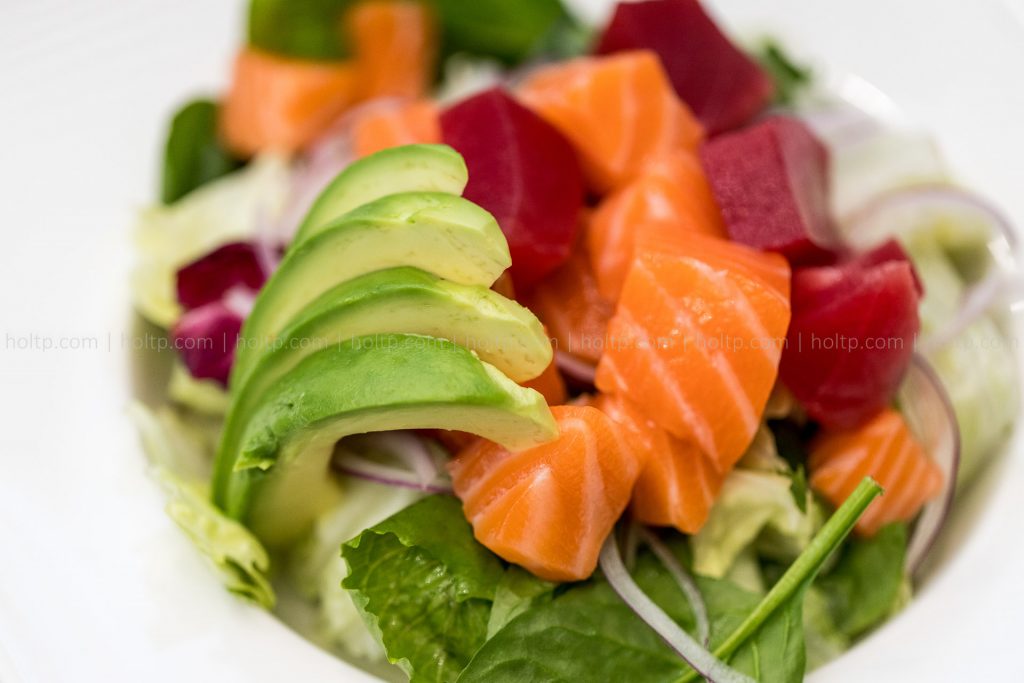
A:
{"x": 440, "y": 233}
{"x": 279, "y": 480}
{"x": 410, "y": 168}
{"x": 398, "y": 300}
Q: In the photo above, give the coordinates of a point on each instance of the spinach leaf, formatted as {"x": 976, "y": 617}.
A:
{"x": 518, "y": 591}
{"x": 865, "y": 582}
{"x": 194, "y": 154}
{"x": 588, "y": 634}
{"x": 822, "y": 638}
{"x": 507, "y": 31}
{"x": 769, "y": 643}
{"x": 304, "y": 29}
{"x": 425, "y": 587}
{"x": 790, "y": 78}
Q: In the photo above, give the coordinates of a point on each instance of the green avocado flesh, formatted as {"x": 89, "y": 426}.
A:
{"x": 398, "y": 300}
{"x": 278, "y": 481}
{"x": 445, "y": 235}
{"x": 411, "y": 168}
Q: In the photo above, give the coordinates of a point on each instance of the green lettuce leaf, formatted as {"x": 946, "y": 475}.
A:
{"x": 316, "y": 568}
{"x": 205, "y": 396}
{"x": 194, "y": 155}
{"x": 750, "y": 504}
{"x": 180, "y": 454}
{"x": 238, "y": 557}
{"x": 866, "y": 581}
{"x": 425, "y": 587}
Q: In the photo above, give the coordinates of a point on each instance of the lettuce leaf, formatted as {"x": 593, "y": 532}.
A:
{"x": 228, "y": 209}
{"x": 425, "y": 587}
{"x": 205, "y": 396}
{"x": 752, "y": 504}
{"x": 316, "y": 569}
{"x": 180, "y": 455}
{"x": 234, "y": 553}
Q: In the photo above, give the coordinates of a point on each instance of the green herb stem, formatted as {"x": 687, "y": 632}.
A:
{"x": 803, "y": 569}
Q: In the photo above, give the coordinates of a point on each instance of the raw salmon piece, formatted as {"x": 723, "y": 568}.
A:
{"x": 549, "y": 508}
{"x": 619, "y": 111}
{"x": 678, "y": 482}
{"x": 568, "y": 302}
{"x": 396, "y": 46}
{"x": 281, "y": 104}
{"x": 393, "y": 123}
{"x": 671, "y": 199}
{"x": 696, "y": 340}
{"x": 883, "y": 448}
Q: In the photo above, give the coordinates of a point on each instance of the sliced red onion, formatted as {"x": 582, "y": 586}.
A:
{"x": 693, "y": 653}
{"x": 900, "y": 212}
{"x": 839, "y": 124}
{"x": 929, "y": 413}
{"x": 995, "y": 289}
{"x": 206, "y": 338}
{"x": 903, "y": 212}
{"x": 410, "y": 450}
{"x": 357, "y": 466}
{"x": 575, "y": 368}
{"x": 240, "y": 301}
{"x": 209, "y": 278}
{"x": 684, "y": 581}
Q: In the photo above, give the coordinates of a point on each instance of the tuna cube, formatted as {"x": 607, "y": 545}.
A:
{"x": 852, "y": 336}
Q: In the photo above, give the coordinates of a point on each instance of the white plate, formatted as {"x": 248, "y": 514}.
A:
{"x": 97, "y": 585}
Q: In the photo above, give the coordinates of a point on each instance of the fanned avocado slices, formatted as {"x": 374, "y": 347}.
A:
{"x": 398, "y": 300}
{"x": 278, "y": 481}
{"x": 439, "y": 233}
{"x": 410, "y": 168}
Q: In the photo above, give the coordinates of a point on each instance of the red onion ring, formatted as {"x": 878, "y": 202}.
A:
{"x": 929, "y": 413}
{"x": 689, "y": 650}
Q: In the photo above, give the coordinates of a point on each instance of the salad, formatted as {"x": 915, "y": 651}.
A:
{"x": 507, "y": 347}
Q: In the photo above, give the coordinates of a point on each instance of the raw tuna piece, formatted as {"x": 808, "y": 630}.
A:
{"x": 206, "y": 338}
{"x": 771, "y": 182}
{"x": 209, "y": 278}
{"x": 524, "y": 172}
{"x": 722, "y": 85}
{"x": 852, "y": 336}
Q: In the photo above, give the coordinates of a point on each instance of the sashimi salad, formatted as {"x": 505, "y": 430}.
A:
{"x": 509, "y": 348}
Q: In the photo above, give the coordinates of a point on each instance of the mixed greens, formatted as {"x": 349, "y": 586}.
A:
{"x": 372, "y": 296}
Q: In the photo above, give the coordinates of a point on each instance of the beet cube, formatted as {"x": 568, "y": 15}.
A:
{"x": 723, "y": 86}
{"x": 851, "y": 336}
{"x": 523, "y": 171}
{"x": 771, "y": 183}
